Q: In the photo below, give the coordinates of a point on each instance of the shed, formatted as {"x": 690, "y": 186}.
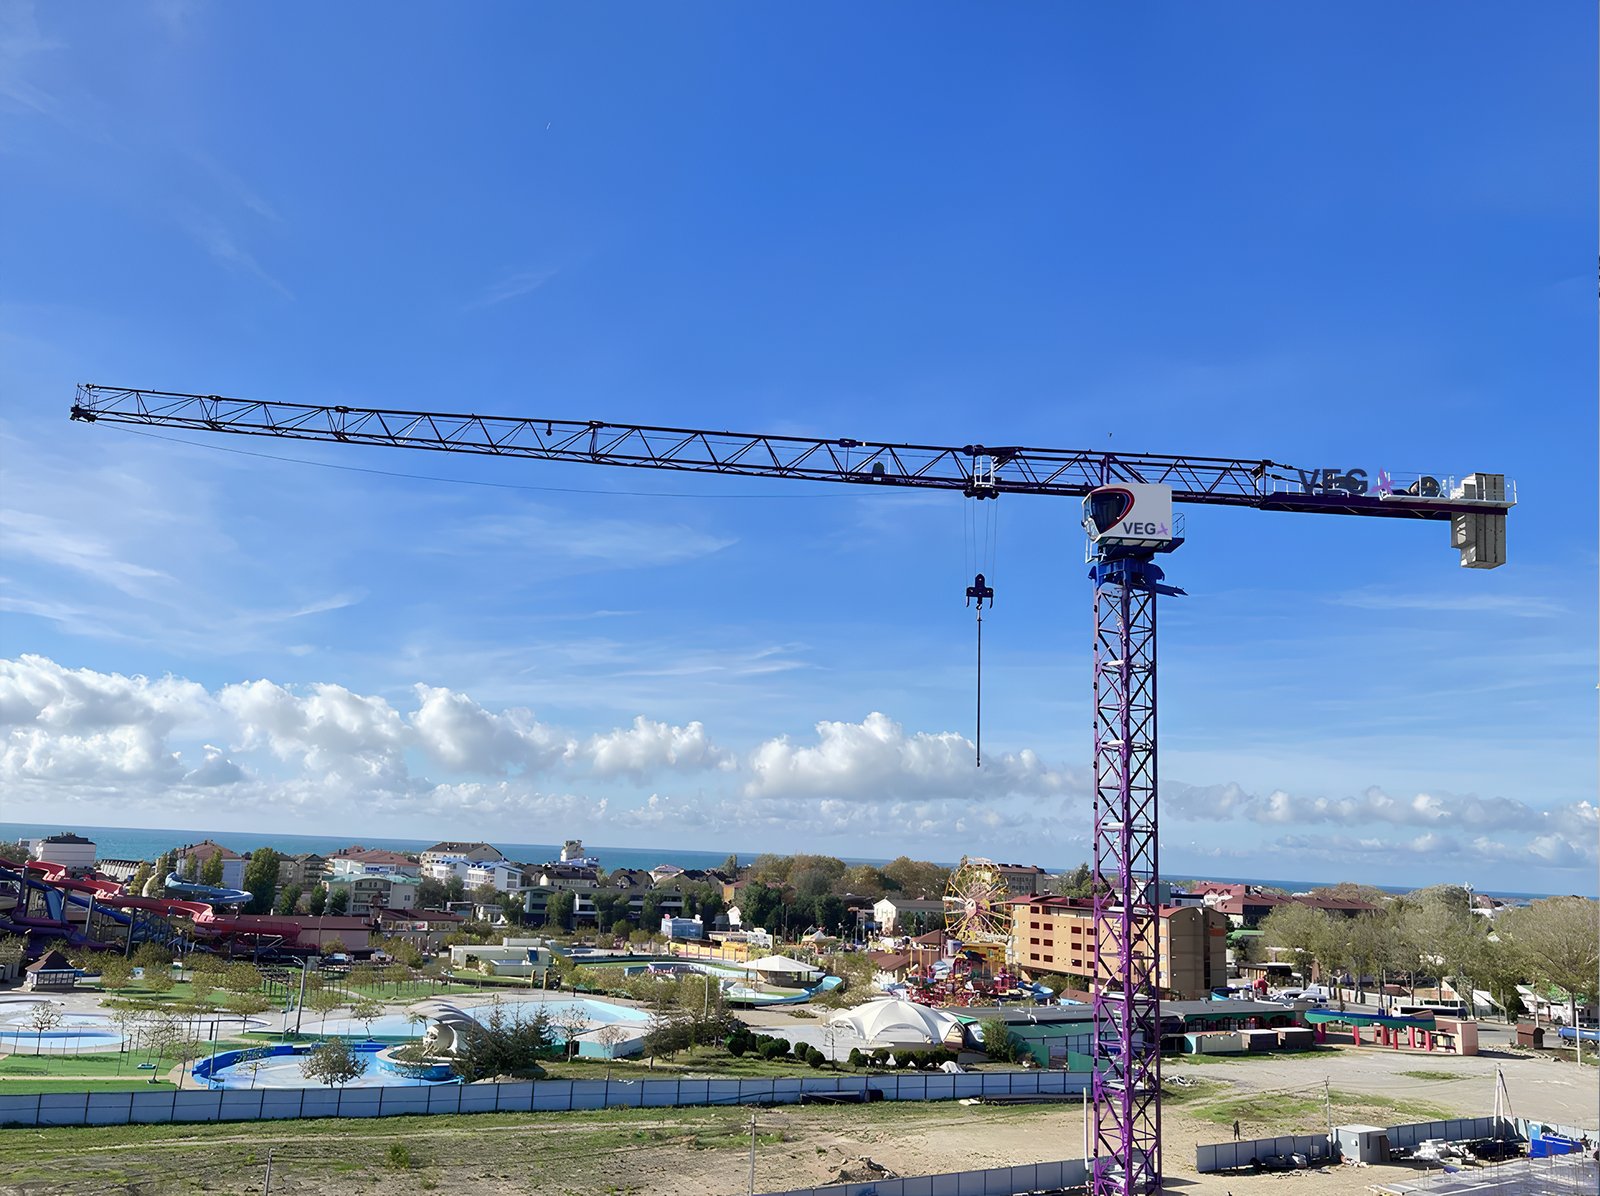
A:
{"x": 1362, "y": 1143}
{"x": 52, "y": 970}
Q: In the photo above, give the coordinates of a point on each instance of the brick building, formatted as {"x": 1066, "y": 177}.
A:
{"x": 1057, "y": 935}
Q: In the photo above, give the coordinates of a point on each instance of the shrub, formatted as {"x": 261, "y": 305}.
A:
{"x": 815, "y": 1058}
{"x": 857, "y": 1059}
{"x": 737, "y": 1046}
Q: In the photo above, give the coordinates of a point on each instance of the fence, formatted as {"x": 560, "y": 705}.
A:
{"x": 997, "y": 1181}
{"x": 245, "y": 1104}
{"x": 1457, "y": 1129}
{"x": 1221, "y": 1156}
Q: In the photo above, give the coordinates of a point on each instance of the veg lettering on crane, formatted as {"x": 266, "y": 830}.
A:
{"x": 1354, "y": 481}
{"x": 1135, "y": 527}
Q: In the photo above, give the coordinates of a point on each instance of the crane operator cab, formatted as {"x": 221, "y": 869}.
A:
{"x": 1130, "y": 519}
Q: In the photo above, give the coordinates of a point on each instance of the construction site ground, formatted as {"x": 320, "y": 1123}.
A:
{"x": 706, "y": 1151}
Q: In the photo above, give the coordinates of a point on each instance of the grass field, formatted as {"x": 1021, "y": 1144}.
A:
{"x": 11, "y": 1087}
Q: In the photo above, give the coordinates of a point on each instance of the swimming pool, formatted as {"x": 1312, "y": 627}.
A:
{"x": 558, "y": 1009}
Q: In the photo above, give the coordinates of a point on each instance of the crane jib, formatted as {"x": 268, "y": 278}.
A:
{"x": 975, "y": 469}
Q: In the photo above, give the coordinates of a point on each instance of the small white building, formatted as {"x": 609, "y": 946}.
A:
{"x": 67, "y": 849}
{"x": 895, "y": 915}
{"x": 513, "y": 957}
{"x": 501, "y": 876}
{"x": 683, "y": 928}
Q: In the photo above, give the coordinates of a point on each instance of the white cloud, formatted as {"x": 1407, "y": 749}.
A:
{"x": 458, "y": 733}
{"x": 512, "y": 286}
{"x": 875, "y": 758}
{"x": 1279, "y": 807}
{"x": 648, "y": 746}
{"x": 115, "y": 748}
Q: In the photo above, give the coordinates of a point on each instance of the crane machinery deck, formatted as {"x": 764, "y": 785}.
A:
{"x": 1127, "y": 513}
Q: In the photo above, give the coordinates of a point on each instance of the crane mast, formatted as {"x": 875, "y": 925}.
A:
{"x": 1127, "y": 501}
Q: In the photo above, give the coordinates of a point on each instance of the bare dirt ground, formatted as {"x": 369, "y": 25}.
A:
{"x": 706, "y": 1151}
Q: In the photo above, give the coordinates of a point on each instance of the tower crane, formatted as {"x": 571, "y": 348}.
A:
{"x": 1127, "y": 512}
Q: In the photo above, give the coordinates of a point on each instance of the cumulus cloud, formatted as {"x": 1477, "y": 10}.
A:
{"x": 648, "y": 746}
{"x": 109, "y": 747}
{"x": 876, "y": 759}
{"x": 458, "y": 733}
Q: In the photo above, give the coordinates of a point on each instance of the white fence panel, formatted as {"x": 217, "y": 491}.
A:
{"x": 196, "y": 1106}
{"x": 109, "y": 1108}
{"x": 18, "y": 1110}
{"x": 549, "y": 1095}
{"x": 399, "y": 1101}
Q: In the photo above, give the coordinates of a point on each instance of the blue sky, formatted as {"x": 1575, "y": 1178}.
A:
{"x": 1337, "y": 235}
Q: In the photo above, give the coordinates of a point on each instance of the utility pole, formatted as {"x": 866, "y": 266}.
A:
{"x": 752, "y": 1152}
{"x": 1327, "y": 1099}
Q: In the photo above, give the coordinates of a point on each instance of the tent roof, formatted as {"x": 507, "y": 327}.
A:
{"x": 891, "y": 1021}
{"x": 777, "y": 963}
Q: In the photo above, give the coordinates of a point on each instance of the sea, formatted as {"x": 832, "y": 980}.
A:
{"x": 143, "y": 843}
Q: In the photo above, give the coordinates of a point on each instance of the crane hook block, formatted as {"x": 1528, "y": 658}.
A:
{"x": 981, "y": 591}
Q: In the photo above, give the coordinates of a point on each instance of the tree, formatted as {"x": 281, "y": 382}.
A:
{"x": 1079, "y": 882}
{"x": 42, "y": 1018}
{"x": 667, "y": 1036}
{"x": 241, "y": 978}
{"x": 1305, "y": 931}
{"x": 158, "y": 979}
{"x": 115, "y": 972}
{"x": 324, "y": 1001}
{"x": 334, "y": 1062}
{"x": 288, "y": 900}
{"x": 1556, "y": 941}
{"x": 162, "y": 1036}
{"x": 572, "y": 1021}
{"x": 917, "y": 877}
{"x": 261, "y": 879}
{"x": 211, "y": 870}
{"x": 191, "y": 867}
{"x": 338, "y": 902}
{"x": 485, "y": 894}
{"x": 621, "y": 928}
{"x": 128, "y": 1017}
{"x": 318, "y": 902}
{"x": 999, "y": 1043}
{"x": 140, "y": 878}
{"x": 507, "y": 1044}
{"x": 245, "y": 1005}
{"x": 432, "y": 894}
{"x": 558, "y": 911}
{"x": 366, "y": 1011}
{"x": 156, "y": 886}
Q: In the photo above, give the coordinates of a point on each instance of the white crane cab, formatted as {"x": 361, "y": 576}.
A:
{"x": 1135, "y": 515}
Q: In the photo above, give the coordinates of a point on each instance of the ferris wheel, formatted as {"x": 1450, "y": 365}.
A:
{"x": 975, "y": 909}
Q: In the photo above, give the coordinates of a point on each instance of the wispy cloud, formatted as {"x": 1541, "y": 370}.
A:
{"x": 227, "y": 252}
{"x": 21, "y": 41}
{"x": 1517, "y": 606}
{"x": 512, "y": 286}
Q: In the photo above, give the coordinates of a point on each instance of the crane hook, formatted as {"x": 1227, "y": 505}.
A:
{"x": 980, "y": 592}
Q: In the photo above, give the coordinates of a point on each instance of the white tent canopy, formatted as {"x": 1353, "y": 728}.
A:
{"x": 777, "y": 965}
{"x": 893, "y": 1022}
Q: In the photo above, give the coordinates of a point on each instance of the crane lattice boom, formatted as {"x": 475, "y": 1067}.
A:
{"x": 975, "y": 469}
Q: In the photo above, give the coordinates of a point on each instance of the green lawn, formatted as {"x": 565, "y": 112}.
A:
{"x": 68, "y": 1065}
{"x": 81, "y": 1084}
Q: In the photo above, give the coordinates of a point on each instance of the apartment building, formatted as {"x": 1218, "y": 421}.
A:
{"x": 370, "y": 893}
{"x": 372, "y": 861}
{"x": 1057, "y": 935}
